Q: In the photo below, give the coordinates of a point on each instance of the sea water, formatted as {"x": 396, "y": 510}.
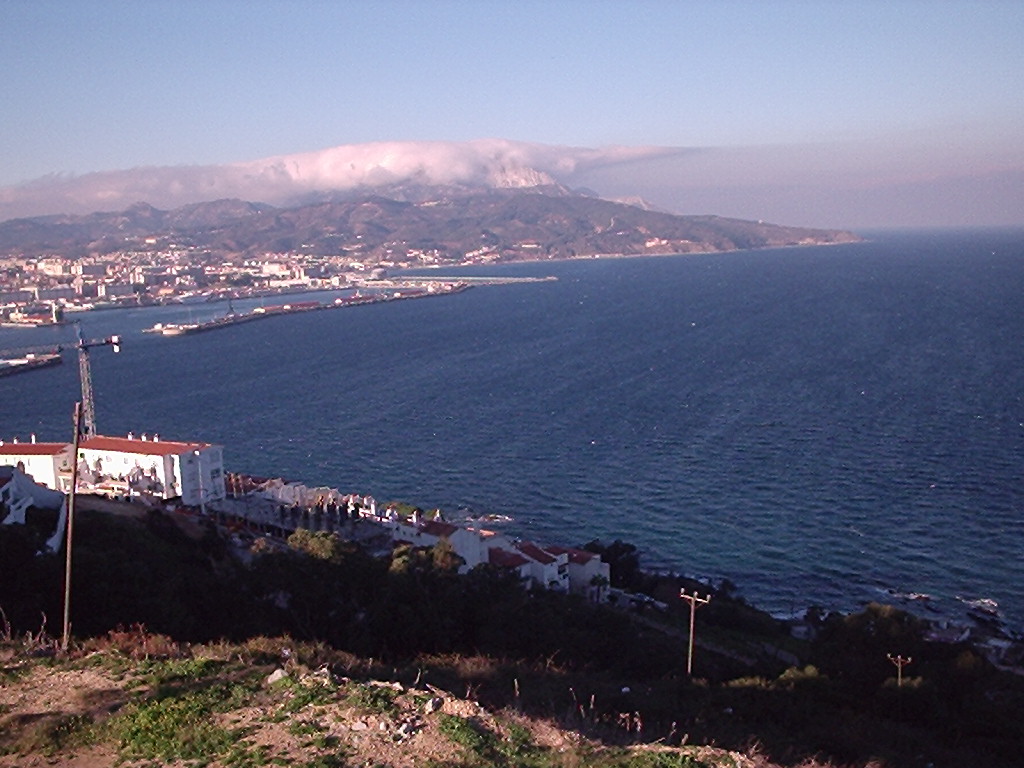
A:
{"x": 821, "y": 425}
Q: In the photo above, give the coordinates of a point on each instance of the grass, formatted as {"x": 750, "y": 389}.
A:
{"x": 244, "y": 755}
{"x": 325, "y": 761}
{"x": 373, "y": 699}
{"x": 175, "y": 704}
{"x": 116, "y": 663}
{"x": 165, "y": 671}
{"x": 308, "y": 694}
{"x": 467, "y": 734}
{"x": 517, "y": 750}
{"x": 487, "y": 748}
{"x": 648, "y": 759}
{"x": 51, "y": 734}
{"x": 175, "y": 721}
{"x": 173, "y": 728}
{"x": 13, "y": 673}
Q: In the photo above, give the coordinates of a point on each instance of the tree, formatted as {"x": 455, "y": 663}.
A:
{"x": 855, "y": 647}
{"x": 444, "y": 558}
{"x": 623, "y": 560}
{"x": 321, "y": 544}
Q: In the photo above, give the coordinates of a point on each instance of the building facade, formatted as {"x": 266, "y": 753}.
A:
{"x": 48, "y": 464}
{"x": 163, "y": 469}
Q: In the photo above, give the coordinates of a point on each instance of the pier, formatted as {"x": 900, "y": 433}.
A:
{"x": 12, "y": 365}
{"x": 402, "y": 290}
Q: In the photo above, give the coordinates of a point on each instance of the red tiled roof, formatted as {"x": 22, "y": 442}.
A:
{"x": 534, "y": 552}
{"x": 505, "y": 559}
{"x": 577, "y": 556}
{"x": 436, "y": 528}
{"x": 32, "y": 449}
{"x": 141, "y": 447}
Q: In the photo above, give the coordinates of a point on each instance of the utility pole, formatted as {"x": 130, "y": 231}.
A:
{"x": 71, "y": 527}
{"x": 85, "y": 375}
{"x": 900, "y": 663}
{"x": 694, "y": 601}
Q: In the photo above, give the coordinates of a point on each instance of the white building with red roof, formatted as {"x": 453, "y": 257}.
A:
{"x": 163, "y": 469}
{"x": 510, "y": 561}
{"x": 472, "y": 545}
{"x": 543, "y": 566}
{"x": 589, "y": 575}
{"x": 48, "y": 464}
{"x": 546, "y": 569}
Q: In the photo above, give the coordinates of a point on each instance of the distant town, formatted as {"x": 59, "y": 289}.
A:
{"x": 38, "y": 291}
{"x": 236, "y": 249}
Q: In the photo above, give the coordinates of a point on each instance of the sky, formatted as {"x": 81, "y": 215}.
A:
{"x": 813, "y": 112}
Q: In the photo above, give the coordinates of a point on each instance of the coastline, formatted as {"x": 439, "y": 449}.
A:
{"x": 783, "y": 583}
{"x": 249, "y": 513}
{"x": 245, "y": 517}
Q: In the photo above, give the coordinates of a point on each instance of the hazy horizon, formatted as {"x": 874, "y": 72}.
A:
{"x": 866, "y": 115}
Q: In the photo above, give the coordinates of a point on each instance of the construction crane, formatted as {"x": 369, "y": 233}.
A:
{"x": 88, "y": 422}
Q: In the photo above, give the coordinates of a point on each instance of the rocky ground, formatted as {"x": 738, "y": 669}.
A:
{"x": 237, "y": 706}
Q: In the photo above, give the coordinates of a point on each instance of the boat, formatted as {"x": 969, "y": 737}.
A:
{"x": 35, "y": 316}
{"x": 11, "y": 365}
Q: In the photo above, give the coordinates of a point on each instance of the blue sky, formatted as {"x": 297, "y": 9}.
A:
{"x": 921, "y": 103}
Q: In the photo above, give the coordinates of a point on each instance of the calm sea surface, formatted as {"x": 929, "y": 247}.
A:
{"x": 819, "y": 425}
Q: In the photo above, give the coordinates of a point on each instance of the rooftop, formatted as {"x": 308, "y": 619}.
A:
{"x": 154, "y": 447}
{"x": 32, "y": 449}
{"x": 505, "y": 559}
{"x": 534, "y": 552}
{"x": 437, "y": 528}
{"x": 577, "y": 556}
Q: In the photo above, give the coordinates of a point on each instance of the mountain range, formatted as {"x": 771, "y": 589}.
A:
{"x": 393, "y": 222}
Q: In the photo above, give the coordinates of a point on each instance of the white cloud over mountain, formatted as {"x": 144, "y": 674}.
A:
{"x": 280, "y": 180}
{"x": 826, "y": 185}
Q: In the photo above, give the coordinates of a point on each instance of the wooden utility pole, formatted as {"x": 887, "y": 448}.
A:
{"x": 71, "y": 527}
{"x": 900, "y": 663}
{"x": 694, "y": 601}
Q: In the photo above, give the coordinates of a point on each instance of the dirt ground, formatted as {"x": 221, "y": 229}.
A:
{"x": 39, "y": 699}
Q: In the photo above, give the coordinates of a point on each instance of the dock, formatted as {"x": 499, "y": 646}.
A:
{"x": 404, "y": 291}
{"x": 12, "y": 365}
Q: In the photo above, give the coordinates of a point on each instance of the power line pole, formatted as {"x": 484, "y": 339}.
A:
{"x": 71, "y": 527}
{"x": 694, "y": 601}
{"x": 900, "y": 663}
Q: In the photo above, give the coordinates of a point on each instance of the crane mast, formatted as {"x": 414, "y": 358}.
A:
{"x": 88, "y": 423}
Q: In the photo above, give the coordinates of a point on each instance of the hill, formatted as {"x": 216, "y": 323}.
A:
{"x": 178, "y": 628}
{"x": 398, "y": 223}
{"x": 131, "y": 698}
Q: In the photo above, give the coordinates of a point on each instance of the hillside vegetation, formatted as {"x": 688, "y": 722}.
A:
{"x": 513, "y": 225}
{"x": 175, "y": 628}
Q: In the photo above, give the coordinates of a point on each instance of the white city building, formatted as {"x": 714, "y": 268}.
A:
{"x": 473, "y": 545}
{"x": 48, "y": 464}
{"x": 547, "y": 570}
{"x": 589, "y": 575}
{"x": 165, "y": 469}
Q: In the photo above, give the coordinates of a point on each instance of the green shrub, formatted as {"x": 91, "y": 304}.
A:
{"x": 308, "y": 694}
{"x": 467, "y": 734}
{"x": 372, "y": 698}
